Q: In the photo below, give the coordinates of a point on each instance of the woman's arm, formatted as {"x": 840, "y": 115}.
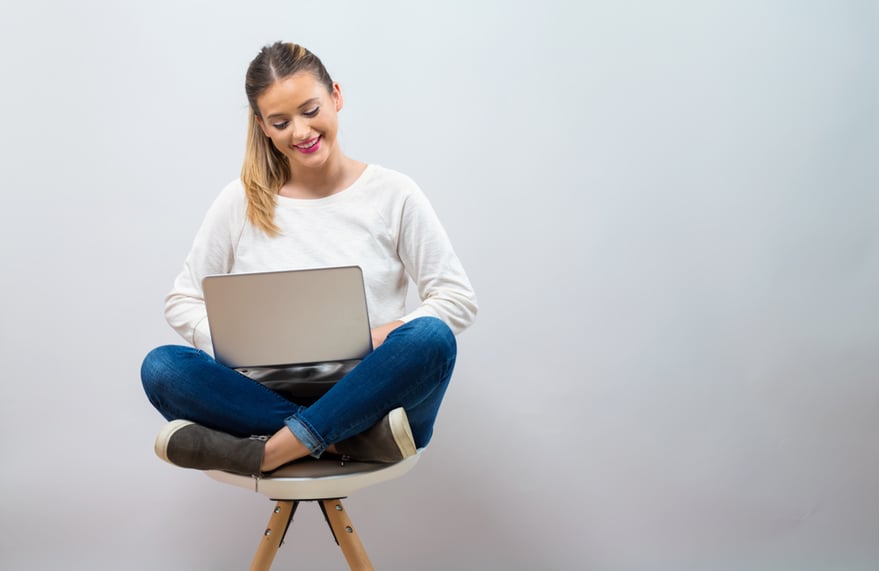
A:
{"x": 212, "y": 252}
{"x": 426, "y": 251}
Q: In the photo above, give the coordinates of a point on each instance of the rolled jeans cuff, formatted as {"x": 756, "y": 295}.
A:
{"x": 306, "y": 435}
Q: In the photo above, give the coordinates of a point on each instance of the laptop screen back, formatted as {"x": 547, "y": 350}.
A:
{"x": 288, "y": 317}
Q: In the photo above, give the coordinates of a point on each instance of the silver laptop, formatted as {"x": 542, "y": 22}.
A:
{"x": 294, "y": 317}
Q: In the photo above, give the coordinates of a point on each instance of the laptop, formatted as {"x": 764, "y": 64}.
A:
{"x": 283, "y": 318}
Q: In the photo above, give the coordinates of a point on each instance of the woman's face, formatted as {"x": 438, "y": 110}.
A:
{"x": 300, "y": 117}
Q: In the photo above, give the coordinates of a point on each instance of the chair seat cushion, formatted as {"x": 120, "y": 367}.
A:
{"x": 313, "y": 479}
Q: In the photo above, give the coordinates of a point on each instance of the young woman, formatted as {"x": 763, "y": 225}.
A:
{"x": 302, "y": 203}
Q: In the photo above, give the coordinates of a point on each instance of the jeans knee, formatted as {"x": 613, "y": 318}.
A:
{"x": 435, "y": 338}
{"x": 442, "y": 335}
{"x": 158, "y": 367}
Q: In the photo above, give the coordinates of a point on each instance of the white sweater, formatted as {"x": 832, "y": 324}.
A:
{"x": 382, "y": 223}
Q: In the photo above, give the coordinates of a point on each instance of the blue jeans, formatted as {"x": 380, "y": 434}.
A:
{"x": 412, "y": 369}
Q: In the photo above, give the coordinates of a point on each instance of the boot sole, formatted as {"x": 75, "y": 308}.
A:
{"x": 164, "y": 437}
{"x": 402, "y": 432}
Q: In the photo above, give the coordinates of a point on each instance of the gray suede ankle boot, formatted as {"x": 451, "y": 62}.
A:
{"x": 189, "y": 445}
{"x": 389, "y": 441}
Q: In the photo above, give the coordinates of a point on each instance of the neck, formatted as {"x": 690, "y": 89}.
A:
{"x": 318, "y": 182}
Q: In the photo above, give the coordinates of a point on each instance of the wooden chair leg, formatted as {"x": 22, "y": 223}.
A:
{"x": 273, "y": 535}
{"x": 345, "y": 535}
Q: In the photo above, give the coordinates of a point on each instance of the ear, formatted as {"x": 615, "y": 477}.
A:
{"x": 337, "y": 97}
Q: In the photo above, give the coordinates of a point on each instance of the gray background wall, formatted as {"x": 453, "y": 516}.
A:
{"x": 669, "y": 211}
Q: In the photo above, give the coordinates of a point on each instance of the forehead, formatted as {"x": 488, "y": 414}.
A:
{"x": 288, "y": 94}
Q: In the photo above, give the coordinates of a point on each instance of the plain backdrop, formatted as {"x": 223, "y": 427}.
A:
{"x": 669, "y": 212}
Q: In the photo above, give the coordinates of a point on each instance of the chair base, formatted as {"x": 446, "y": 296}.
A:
{"x": 311, "y": 480}
{"x": 340, "y": 525}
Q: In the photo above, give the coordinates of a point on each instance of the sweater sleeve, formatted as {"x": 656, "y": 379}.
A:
{"x": 426, "y": 252}
{"x": 212, "y": 252}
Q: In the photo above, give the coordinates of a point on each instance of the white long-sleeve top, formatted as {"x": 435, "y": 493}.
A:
{"x": 382, "y": 223}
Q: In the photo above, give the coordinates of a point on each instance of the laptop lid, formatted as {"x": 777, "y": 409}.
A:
{"x": 290, "y": 317}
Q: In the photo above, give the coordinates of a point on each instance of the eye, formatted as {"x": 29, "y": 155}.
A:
{"x": 280, "y": 125}
{"x": 313, "y": 112}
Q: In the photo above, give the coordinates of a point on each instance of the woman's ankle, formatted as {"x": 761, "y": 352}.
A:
{"x": 282, "y": 448}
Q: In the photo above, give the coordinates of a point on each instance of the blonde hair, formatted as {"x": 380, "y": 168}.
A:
{"x": 266, "y": 169}
{"x": 264, "y": 172}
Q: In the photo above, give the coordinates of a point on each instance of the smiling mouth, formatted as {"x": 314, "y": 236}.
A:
{"x": 309, "y": 146}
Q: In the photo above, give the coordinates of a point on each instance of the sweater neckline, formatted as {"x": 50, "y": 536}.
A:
{"x": 286, "y": 201}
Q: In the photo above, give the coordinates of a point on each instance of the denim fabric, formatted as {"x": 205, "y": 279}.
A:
{"x": 412, "y": 369}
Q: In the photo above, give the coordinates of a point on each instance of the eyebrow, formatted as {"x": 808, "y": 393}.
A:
{"x": 305, "y": 103}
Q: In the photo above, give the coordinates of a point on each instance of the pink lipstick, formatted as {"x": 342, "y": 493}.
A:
{"x": 309, "y": 146}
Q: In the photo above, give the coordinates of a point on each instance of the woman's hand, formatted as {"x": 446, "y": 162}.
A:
{"x": 380, "y": 333}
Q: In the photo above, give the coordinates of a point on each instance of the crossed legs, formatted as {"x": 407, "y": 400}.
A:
{"x": 411, "y": 369}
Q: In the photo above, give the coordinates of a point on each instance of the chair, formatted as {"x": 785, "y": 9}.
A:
{"x": 322, "y": 481}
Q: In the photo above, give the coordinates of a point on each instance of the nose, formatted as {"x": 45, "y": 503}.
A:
{"x": 301, "y": 130}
